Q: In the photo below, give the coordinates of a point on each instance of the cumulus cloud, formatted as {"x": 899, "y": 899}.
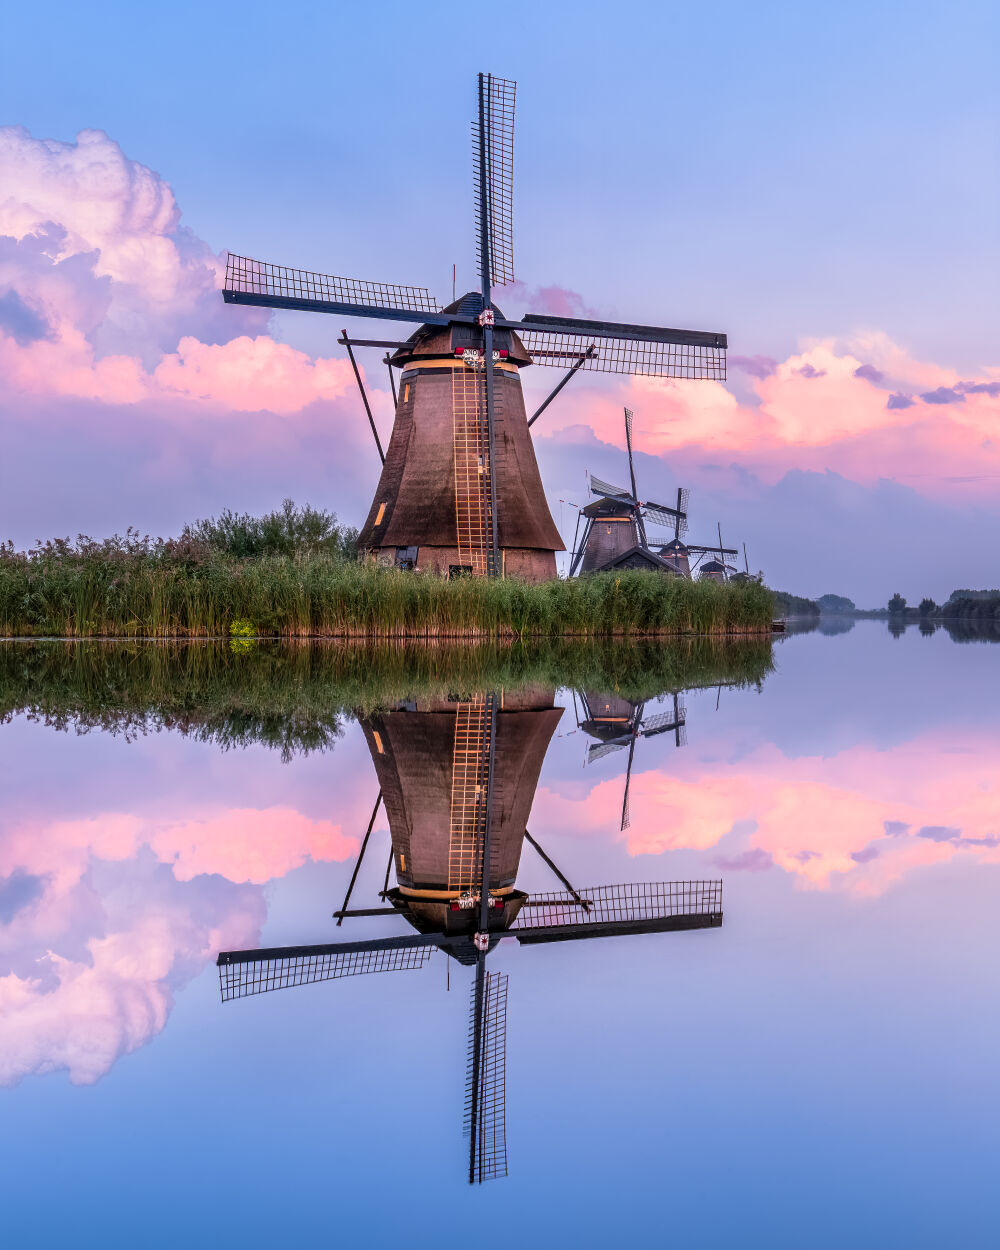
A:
{"x": 844, "y": 407}
{"x": 104, "y": 918}
{"x": 105, "y": 295}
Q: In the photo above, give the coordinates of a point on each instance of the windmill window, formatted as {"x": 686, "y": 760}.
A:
{"x": 406, "y": 392}
{"x": 402, "y": 861}
{"x": 381, "y": 514}
{"x": 378, "y": 742}
{"x": 406, "y": 558}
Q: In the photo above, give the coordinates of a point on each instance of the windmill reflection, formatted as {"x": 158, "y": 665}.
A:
{"x": 458, "y": 779}
{"x": 617, "y": 722}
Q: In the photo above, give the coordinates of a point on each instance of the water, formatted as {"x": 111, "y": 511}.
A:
{"x": 820, "y": 1070}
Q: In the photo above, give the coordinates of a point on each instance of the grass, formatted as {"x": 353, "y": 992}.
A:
{"x": 294, "y": 696}
{"x": 138, "y": 588}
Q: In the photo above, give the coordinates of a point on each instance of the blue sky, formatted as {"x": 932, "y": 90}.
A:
{"x": 821, "y": 182}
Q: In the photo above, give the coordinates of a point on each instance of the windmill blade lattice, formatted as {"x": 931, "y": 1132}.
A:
{"x": 278, "y": 286}
{"x": 634, "y": 903}
{"x": 605, "y": 489}
{"x": 245, "y": 973}
{"x": 493, "y": 156}
{"x": 556, "y": 341}
{"x": 663, "y": 721}
{"x": 659, "y": 514}
{"x": 486, "y": 1078}
{"x": 599, "y": 749}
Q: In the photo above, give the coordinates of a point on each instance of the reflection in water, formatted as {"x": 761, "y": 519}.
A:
{"x": 458, "y": 777}
{"x": 295, "y": 697}
{"x": 617, "y": 722}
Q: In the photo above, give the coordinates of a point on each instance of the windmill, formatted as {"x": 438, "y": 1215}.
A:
{"x": 615, "y": 532}
{"x": 460, "y": 490}
{"x": 679, "y": 555}
{"x": 617, "y": 723}
{"x": 456, "y": 883}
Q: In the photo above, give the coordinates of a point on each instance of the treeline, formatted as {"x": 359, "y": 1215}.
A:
{"x": 787, "y": 605}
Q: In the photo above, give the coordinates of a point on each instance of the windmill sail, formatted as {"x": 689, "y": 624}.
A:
{"x": 662, "y": 514}
{"x": 663, "y": 721}
{"x": 610, "y": 910}
{"x": 493, "y": 147}
{"x": 597, "y": 750}
{"x": 245, "y": 973}
{"x": 620, "y": 348}
{"x": 279, "y": 286}
{"x": 599, "y": 487}
{"x": 486, "y": 1077}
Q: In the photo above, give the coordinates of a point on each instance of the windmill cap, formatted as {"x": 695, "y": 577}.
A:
{"x": 442, "y": 341}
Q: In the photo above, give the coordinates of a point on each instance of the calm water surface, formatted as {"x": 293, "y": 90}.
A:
{"x": 821, "y": 1070}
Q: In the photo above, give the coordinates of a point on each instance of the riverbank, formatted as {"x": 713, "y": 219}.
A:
{"x": 168, "y": 593}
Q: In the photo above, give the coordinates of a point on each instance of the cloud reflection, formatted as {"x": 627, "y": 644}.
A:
{"x": 104, "y": 918}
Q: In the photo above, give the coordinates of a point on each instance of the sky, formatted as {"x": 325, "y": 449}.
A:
{"x": 811, "y": 1064}
{"x": 820, "y": 182}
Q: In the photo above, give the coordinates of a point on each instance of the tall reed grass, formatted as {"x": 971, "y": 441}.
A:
{"x": 135, "y": 588}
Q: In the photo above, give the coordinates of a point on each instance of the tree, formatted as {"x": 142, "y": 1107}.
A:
{"x": 927, "y": 606}
{"x": 835, "y": 603}
{"x": 897, "y": 604}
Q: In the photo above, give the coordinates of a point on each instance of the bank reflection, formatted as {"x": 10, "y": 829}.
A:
{"x": 458, "y": 778}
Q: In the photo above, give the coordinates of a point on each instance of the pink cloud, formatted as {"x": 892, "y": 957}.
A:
{"x": 93, "y": 249}
{"x": 127, "y": 908}
{"x": 244, "y": 844}
{"x": 815, "y": 410}
{"x": 822, "y": 820}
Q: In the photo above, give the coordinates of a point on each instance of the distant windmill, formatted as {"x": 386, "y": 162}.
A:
{"x": 678, "y": 555}
{"x": 460, "y": 490}
{"x": 458, "y": 780}
{"x": 617, "y": 722}
{"x": 615, "y": 532}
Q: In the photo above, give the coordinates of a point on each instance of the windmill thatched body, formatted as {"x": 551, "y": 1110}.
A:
{"x": 435, "y": 766}
{"x": 433, "y": 499}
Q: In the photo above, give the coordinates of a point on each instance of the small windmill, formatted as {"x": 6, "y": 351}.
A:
{"x": 477, "y": 906}
{"x": 689, "y": 558}
{"x": 615, "y": 532}
{"x": 445, "y": 500}
{"x": 617, "y": 723}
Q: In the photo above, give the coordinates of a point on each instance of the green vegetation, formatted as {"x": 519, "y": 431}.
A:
{"x": 200, "y": 586}
{"x": 981, "y": 607}
{"x": 926, "y": 607}
{"x": 786, "y": 605}
{"x": 293, "y": 697}
{"x": 897, "y": 604}
{"x": 835, "y": 603}
{"x": 290, "y": 531}
{"x": 972, "y": 594}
